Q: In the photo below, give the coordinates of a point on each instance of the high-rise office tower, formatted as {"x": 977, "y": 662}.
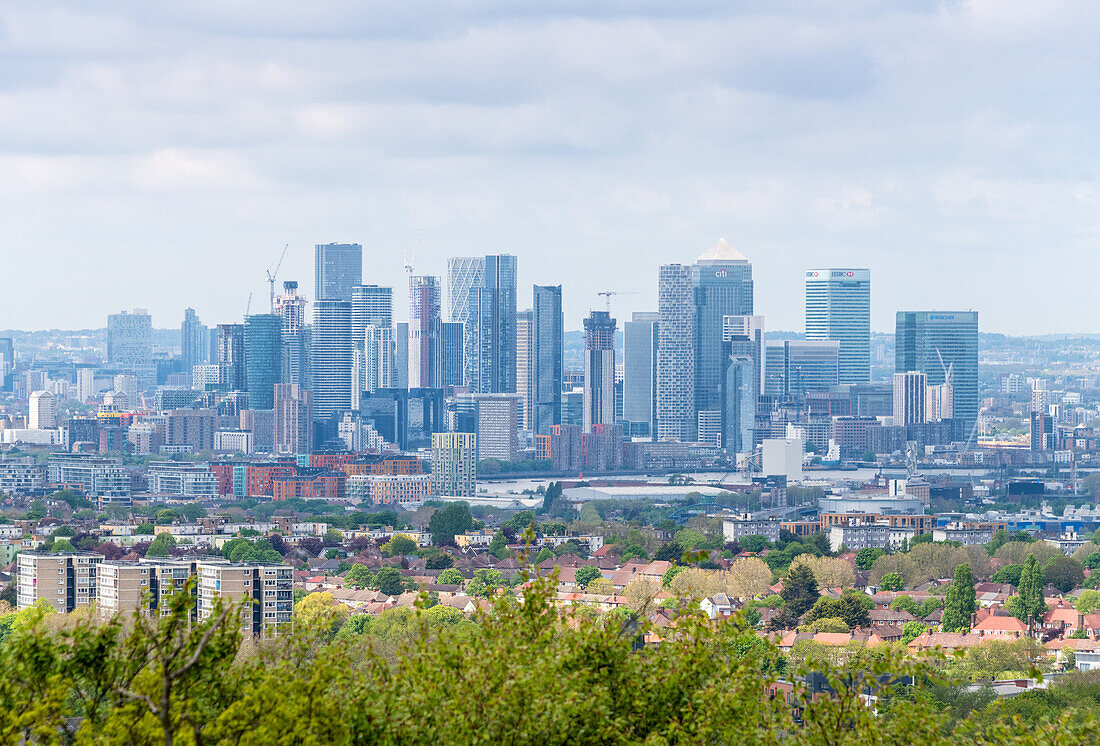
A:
{"x": 232, "y": 369}
{"x": 746, "y": 335}
{"x": 371, "y": 308}
{"x": 525, "y": 367}
{"x": 676, "y": 418}
{"x": 293, "y": 419}
{"x": 547, "y": 338}
{"x": 448, "y": 355}
{"x": 42, "y": 414}
{"x": 85, "y": 384}
{"x": 290, "y": 307}
{"x": 838, "y": 307}
{"x": 739, "y": 385}
{"x": 194, "y": 340}
{"x": 793, "y": 367}
{"x": 130, "y": 343}
{"x": 910, "y": 390}
{"x": 379, "y": 358}
{"x": 401, "y": 355}
{"x": 370, "y": 305}
{"x": 338, "y": 268}
{"x": 599, "y": 370}
{"x": 934, "y": 342}
{"x": 7, "y": 357}
{"x": 263, "y": 342}
{"x": 330, "y": 359}
{"x": 424, "y": 323}
{"x": 723, "y": 287}
{"x": 640, "y": 373}
{"x": 482, "y": 296}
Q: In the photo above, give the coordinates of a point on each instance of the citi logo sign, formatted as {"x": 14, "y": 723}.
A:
{"x": 720, "y": 273}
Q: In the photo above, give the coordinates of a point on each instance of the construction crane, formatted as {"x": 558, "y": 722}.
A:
{"x": 248, "y": 306}
{"x": 411, "y": 256}
{"x": 948, "y": 370}
{"x": 271, "y": 277}
{"x": 608, "y": 293}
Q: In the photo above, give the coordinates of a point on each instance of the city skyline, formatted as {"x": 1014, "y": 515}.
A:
{"x": 805, "y": 138}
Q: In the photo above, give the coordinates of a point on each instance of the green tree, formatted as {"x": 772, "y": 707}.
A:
{"x": 1088, "y": 602}
{"x": 670, "y": 551}
{"x": 448, "y": 521}
{"x": 586, "y": 575}
{"x": 670, "y": 575}
{"x": 754, "y": 543}
{"x": 866, "y": 557}
{"x": 36, "y": 512}
{"x": 450, "y": 576}
{"x": 544, "y": 554}
{"x": 144, "y": 529}
{"x": 1092, "y": 561}
{"x": 1064, "y": 573}
{"x": 891, "y": 581}
{"x": 322, "y": 611}
{"x": 389, "y": 580}
{"x": 552, "y": 497}
{"x": 847, "y": 607}
{"x": 911, "y": 631}
{"x": 800, "y": 590}
{"x": 1009, "y": 574}
{"x": 960, "y": 602}
{"x": 359, "y": 576}
{"x": 905, "y": 603}
{"x": 64, "y": 545}
{"x": 398, "y": 546}
{"x": 498, "y": 547}
{"x": 1032, "y": 604}
{"x": 485, "y": 582}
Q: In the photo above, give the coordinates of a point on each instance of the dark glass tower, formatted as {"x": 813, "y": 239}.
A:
{"x": 723, "y": 287}
{"x": 263, "y": 341}
{"x": 934, "y": 342}
{"x": 338, "y": 268}
{"x": 547, "y": 331}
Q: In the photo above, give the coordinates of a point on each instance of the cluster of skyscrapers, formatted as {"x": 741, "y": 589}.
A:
{"x": 342, "y": 371}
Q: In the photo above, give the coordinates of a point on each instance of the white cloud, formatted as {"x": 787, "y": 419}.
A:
{"x": 594, "y": 139}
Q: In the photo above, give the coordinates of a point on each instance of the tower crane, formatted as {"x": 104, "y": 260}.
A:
{"x": 411, "y": 255}
{"x": 608, "y": 293}
{"x": 271, "y": 277}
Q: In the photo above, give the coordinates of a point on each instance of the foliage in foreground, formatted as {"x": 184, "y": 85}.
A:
{"x": 527, "y": 672}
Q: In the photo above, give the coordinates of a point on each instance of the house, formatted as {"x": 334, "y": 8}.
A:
{"x": 718, "y": 605}
{"x": 889, "y": 618}
{"x": 949, "y": 641}
{"x": 1001, "y": 627}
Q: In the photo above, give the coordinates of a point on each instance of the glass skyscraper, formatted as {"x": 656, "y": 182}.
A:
{"x": 934, "y": 342}
{"x": 338, "y": 268}
{"x": 838, "y": 307}
{"x": 640, "y": 372}
{"x": 547, "y": 333}
{"x": 723, "y": 287}
{"x": 194, "y": 340}
{"x": 330, "y": 359}
{"x": 481, "y": 293}
{"x": 263, "y": 342}
{"x": 232, "y": 373}
{"x": 794, "y": 367}
{"x": 676, "y": 414}
{"x": 599, "y": 370}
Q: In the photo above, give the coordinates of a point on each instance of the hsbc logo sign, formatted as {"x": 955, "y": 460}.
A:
{"x": 836, "y": 273}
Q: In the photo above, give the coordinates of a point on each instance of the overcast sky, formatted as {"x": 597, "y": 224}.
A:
{"x": 160, "y": 155}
